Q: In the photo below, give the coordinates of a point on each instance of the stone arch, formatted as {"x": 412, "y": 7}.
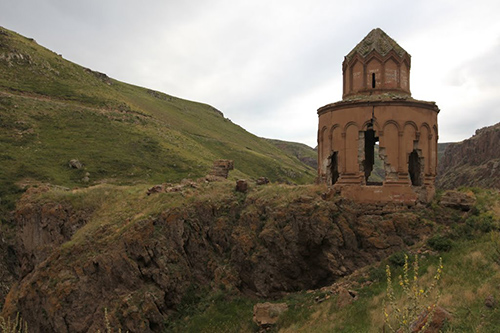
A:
{"x": 434, "y": 151}
{"x": 409, "y": 147}
{"x": 411, "y": 123}
{"x": 356, "y": 76}
{"x": 391, "y": 73}
{"x": 369, "y": 135}
{"x": 337, "y": 143}
{"x": 410, "y": 130}
{"x": 415, "y": 167}
{"x": 424, "y": 124}
{"x": 351, "y": 150}
{"x": 391, "y": 122}
{"x": 335, "y": 127}
{"x": 389, "y": 148}
{"x": 374, "y": 73}
{"x": 404, "y": 75}
{"x": 322, "y": 134}
{"x": 324, "y": 149}
{"x": 376, "y": 125}
{"x": 349, "y": 124}
{"x": 425, "y": 146}
{"x": 333, "y": 173}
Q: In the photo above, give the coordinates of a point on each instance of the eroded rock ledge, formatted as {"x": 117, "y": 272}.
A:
{"x": 273, "y": 240}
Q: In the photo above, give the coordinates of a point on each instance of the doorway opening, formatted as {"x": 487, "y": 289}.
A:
{"x": 374, "y": 171}
{"x": 415, "y": 168}
{"x": 334, "y": 167}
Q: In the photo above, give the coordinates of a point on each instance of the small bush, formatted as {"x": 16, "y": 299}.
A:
{"x": 462, "y": 230}
{"x": 440, "y": 243}
{"x": 398, "y": 258}
{"x": 495, "y": 253}
{"x": 376, "y": 273}
{"x": 482, "y": 222}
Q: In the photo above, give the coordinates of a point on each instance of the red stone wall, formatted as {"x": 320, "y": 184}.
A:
{"x": 401, "y": 127}
{"x": 391, "y": 74}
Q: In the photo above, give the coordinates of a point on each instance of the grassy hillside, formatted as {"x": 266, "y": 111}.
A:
{"x": 52, "y": 111}
{"x": 303, "y": 152}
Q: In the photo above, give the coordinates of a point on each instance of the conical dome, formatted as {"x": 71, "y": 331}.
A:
{"x": 377, "y": 66}
{"x": 377, "y": 40}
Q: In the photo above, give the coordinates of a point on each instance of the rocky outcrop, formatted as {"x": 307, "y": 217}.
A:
{"x": 42, "y": 228}
{"x": 267, "y": 314}
{"x": 472, "y": 162}
{"x": 221, "y": 168}
{"x": 258, "y": 244}
{"x": 241, "y": 185}
{"x": 75, "y": 164}
{"x": 458, "y": 200}
{"x": 438, "y": 318}
{"x": 8, "y": 263}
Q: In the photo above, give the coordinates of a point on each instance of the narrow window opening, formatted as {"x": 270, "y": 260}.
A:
{"x": 334, "y": 167}
{"x": 374, "y": 173}
{"x": 373, "y": 80}
{"x": 415, "y": 168}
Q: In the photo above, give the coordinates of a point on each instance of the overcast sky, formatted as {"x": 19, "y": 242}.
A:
{"x": 269, "y": 65}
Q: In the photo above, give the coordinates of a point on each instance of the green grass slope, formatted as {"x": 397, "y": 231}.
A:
{"x": 52, "y": 111}
{"x": 303, "y": 152}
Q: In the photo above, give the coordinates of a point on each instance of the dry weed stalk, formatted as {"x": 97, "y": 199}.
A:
{"x": 416, "y": 299}
{"x": 107, "y": 324}
{"x": 16, "y": 326}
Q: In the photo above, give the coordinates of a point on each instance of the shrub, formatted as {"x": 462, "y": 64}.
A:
{"x": 495, "y": 240}
{"x": 376, "y": 273}
{"x": 440, "y": 243}
{"x": 482, "y": 222}
{"x": 398, "y": 258}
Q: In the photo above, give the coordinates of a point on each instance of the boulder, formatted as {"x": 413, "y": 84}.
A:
{"x": 458, "y": 200}
{"x": 267, "y": 314}
{"x": 241, "y": 185}
{"x": 490, "y": 302}
{"x": 345, "y": 297}
{"x": 221, "y": 168}
{"x": 75, "y": 164}
{"x": 439, "y": 317}
{"x": 155, "y": 189}
{"x": 262, "y": 181}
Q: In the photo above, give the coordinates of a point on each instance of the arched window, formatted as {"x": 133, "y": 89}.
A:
{"x": 334, "y": 167}
{"x": 415, "y": 169}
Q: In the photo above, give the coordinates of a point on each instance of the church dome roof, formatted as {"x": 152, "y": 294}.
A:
{"x": 377, "y": 40}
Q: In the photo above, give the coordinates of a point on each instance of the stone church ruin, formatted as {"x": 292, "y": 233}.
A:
{"x": 377, "y": 122}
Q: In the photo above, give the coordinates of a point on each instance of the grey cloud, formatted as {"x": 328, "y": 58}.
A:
{"x": 257, "y": 61}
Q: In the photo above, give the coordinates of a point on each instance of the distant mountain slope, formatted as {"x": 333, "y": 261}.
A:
{"x": 441, "y": 149}
{"x": 52, "y": 111}
{"x": 472, "y": 162}
{"x": 303, "y": 152}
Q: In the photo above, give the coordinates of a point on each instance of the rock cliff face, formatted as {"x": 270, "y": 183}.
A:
{"x": 8, "y": 264}
{"x": 472, "y": 162}
{"x": 43, "y": 228}
{"x": 254, "y": 243}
